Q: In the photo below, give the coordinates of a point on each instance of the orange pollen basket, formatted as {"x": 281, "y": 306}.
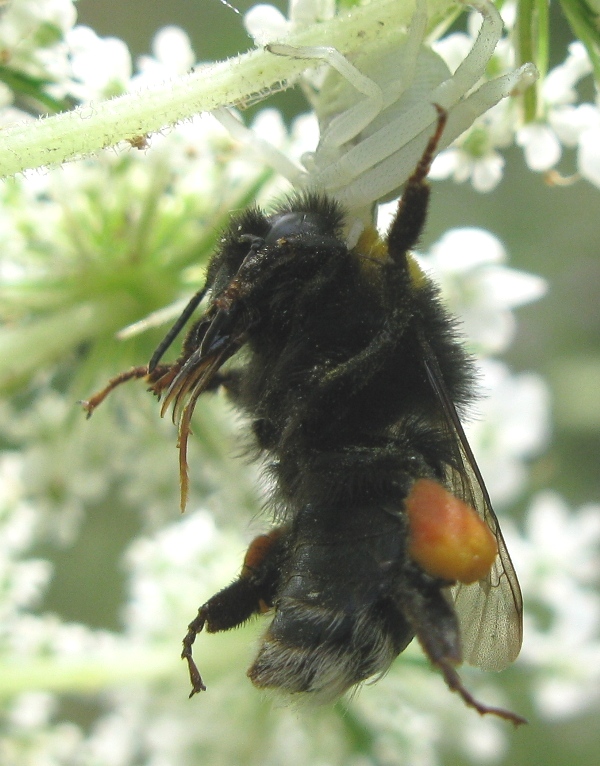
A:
{"x": 447, "y": 537}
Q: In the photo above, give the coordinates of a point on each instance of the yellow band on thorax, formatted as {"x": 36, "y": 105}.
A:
{"x": 372, "y": 251}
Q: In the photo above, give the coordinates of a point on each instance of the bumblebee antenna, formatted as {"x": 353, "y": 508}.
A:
{"x": 174, "y": 331}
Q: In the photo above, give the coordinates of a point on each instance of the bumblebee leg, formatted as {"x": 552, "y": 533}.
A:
{"x": 456, "y": 685}
{"x": 403, "y": 234}
{"x": 180, "y": 322}
{"x": 435, "y": 624}
{"x": 89, "y": 405}
{"x": 253, "y": 592}
{"x": 194, "y": 628}
{"x": 412, "y": 208}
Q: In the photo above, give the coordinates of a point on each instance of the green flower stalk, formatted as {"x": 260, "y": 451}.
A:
{"x": 100, "y": 124}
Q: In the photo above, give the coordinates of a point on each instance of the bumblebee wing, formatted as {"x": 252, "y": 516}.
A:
{"x": 490, "y": 611}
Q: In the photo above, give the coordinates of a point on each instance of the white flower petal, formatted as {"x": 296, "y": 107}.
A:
{"x": 99, "y": 64}
{"x": 509, "y": 288}
{"x": 172, "y": 47}
{"x": 444, "y": 165}
{"x": 302, "y": 13}
{"x": 460, "y": 250}
{"x": 570, "y": 121}
{"x": 464, "y": 166}
{"x": 588, "y": 156}
{"x": 541, "y": 146}
{"x": 487, "y": 172}
{"x": 559, "y": 84}
{"x": 265, "y": 24}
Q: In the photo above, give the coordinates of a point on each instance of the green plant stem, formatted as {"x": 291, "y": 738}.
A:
{"x": 238, "y": 81}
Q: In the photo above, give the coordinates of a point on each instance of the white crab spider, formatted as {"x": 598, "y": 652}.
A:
{"x": 377, "y": 112}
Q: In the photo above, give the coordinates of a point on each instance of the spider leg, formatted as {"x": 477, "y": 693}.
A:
{"x": 407, "y": 125}
{"x": 382, "y": 158}
{"x": 269, "y": 153}
{"x": 347, "y": 125}
{"x": 489, "y": 94}
{"x": 375, "y": 148}
{"x": 469, "y": 71}
{"x": 381, "y": 180}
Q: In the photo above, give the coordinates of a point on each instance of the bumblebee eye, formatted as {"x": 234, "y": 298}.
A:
{"x": 293, "y": 224}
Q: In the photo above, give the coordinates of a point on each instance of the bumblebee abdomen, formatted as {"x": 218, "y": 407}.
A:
{"x": 334, "y": 624}
{"x": 323, "y": 652}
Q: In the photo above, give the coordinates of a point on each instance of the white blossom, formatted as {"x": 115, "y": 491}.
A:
{"x": 265, "y": 23}
{"x": 173, "y": 55}
{"x": 510, "y": 426}
{"x": 564, "y": 122}
{"x": 558, "y": 559}
{"x": 100, "y": 67}
{"x": 468, "y": 264}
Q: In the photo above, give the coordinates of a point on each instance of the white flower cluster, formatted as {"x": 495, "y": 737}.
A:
{"x": 32, "y": 41}
{"x": 408, "y": 717}
{"x": 565, "y": 122}
{"x": 559, "y": 566}
{"x": 512, "y": 419}
{"x": 562, "y": 120}
{"x": 33, "y": 647}
{"x": 40, "y": 39}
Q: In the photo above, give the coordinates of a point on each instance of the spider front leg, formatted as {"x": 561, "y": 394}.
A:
{"x": 266, "y": 151}
{"x": 347, "y": 125}
{"x": 469, "y": 72}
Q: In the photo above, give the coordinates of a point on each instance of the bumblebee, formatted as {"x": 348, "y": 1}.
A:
{"x": 351, "y": 375}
